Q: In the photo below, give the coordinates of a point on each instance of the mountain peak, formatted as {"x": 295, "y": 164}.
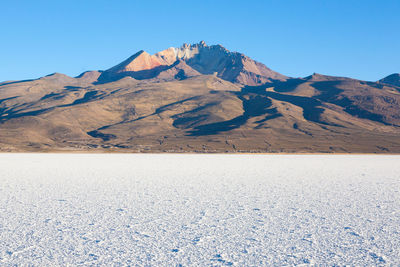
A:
{"x": 58, "y": 77}
{"x": 199, "y": 44}
{"x": 316, "y": 77}
{"x": 203, "y": 59}
{"x": 138, "y": 62}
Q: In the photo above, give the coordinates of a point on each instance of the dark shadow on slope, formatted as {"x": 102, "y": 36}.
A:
{"x": 56, "y": 96}
{"x": 311, "y": 107}
{"x": 267, "y": 118}
{"x": 285, "y": 86}
{"x": 189, "y": 122}
{"x": 103, "y": 136}
{"x": 72, "y": 88}
{"x": 330, "y": 93}
{"x": 86, "y": 98}
{"x": 106, "y": 137}
{"x": 190, "y": 118}
{"x": 217, "y": 127}
{"x": 253, "y": 105}
{"x": 274, "y": 115}
{"x": 8, "y": 98}
{"x": 11, "y": 114}
{"x": 53, "y": 96}
{"x": 180, "y": 75}
{"x": 257, "y": 102}
{"x": 165, "y": 107}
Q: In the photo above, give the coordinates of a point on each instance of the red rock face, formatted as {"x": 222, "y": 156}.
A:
{"x": 138, "y": 62}
{"x": 198, "y": 59}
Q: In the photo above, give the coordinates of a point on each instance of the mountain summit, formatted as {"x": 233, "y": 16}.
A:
{"x": 191, "y": 60}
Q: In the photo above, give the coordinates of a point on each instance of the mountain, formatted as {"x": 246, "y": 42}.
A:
{"x": 199, "y": 98}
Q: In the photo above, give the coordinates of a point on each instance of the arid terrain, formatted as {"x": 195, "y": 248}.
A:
{"x": 199, "y": 98}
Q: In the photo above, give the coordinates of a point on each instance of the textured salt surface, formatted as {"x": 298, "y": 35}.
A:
{"x": 166, "y": 210}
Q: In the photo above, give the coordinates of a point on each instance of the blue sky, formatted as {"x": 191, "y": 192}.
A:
{"x": 359, "y": 39}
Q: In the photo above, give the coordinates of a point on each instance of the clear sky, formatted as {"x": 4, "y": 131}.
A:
{"x": 355, "y": 38}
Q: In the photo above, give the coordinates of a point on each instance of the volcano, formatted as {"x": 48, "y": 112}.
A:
{"x": 199, "y": 98}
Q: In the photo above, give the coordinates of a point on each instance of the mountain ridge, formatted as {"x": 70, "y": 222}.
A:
{"x": 231, "y": 66}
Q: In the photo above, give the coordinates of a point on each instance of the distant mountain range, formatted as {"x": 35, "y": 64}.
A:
{"x": 199, "y": 98}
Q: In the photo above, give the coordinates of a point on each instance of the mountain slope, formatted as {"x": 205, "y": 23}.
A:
{"x": 393, "y": 79}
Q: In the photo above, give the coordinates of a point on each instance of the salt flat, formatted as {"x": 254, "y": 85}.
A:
{"x": 166, "y": 210}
